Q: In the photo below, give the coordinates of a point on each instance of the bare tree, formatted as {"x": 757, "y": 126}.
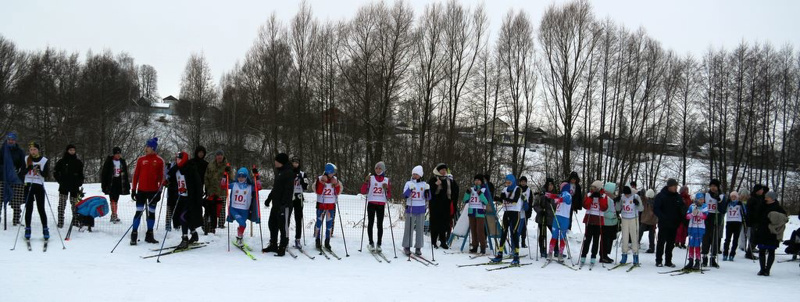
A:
{"x": 200, "y": 92}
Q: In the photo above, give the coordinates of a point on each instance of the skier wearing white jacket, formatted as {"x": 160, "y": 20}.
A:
{"x": 629, "y": 207}
{"x": 417, "y": 193}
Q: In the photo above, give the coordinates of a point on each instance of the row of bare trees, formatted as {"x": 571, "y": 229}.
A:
{"x": 438, "y": 86}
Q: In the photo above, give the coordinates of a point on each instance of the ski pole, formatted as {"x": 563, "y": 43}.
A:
{"x": 137, "y": 216}
{"x": 364, "y": 220}
{"x": 18, "y": 229}
{"x": 341, "y": 225}
{"x": 227, "y": 205}
{"x": 158, "y": 259}
{"x": 391, "y": 228}
{"x": 160, "y": 209}
{"x": 257, "y": 187}
{"x": 49, "y": 205}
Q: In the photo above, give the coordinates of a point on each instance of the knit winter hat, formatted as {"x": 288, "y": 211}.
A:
{"x": 153, "y": 143}
{"x": 381, "y": 165}
{"x": 734, "y": 195}
{"x": 417, "y": 170}
{"x": 672, "y": 182}
{"x": 330, "y": 168}
{"x": 626, "y": 190}
{"x": 522, "y": 178}
{"x": 11, "y": 135}
{"x": 295, "y": 159}
{"x": 650, "y": 193}
{"x": 70, "y": 146}
{"x": 219, "y": 152}
{"x": 478, "y": 177}
{"x": 699, "y": 195}
{"x": 772, "y": 195}
{"x": 34, "y": 144}
{"x": 610, "y": 187}
{"x": 116, "y": 150}
{"x": 242, "y": 172}
{"x": 182, "y": 158}
{"x": 282, "y": 158}
{"x": 598, "y": 184}
{"x": 574, "y": 175}
{"x": 714, "y": 182}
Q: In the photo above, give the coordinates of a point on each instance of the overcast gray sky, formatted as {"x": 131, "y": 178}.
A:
{"x": 164, "y": 33}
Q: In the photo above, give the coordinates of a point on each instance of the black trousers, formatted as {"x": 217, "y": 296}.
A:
{"x": 666, "y": 243}
{"x": 510, "y": 228}
{"x": 713, "y": 235}
{"x": 609, "y": 235}
{"x": 278, "y": 226}
{"x": 297, "y": 208}
{"x": 732, "y": 230}
{"x": 35, "y": 192}
{"x": 651, "y": 236}
{"x": 374, "y": 210}
{"x": 440, "y": 227}
{"x": 592, "y": 237}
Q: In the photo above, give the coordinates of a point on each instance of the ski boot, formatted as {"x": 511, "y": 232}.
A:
{"x": 705, "y": 260}
{"x": 583, "y": 261}
{"x": 725, "y": 256}
{"x": 297, "y": 244}
{"x": 195, "y": 237}
{"x": 328, "y": 243}
{"x": 281, "y": 251}
{"x": 60, "y": 224}
{"x": 184, "y": 243}
{"x": 407, "y": 251}
{"x": 371, "y": 248}
{"x": 604, "y": 259}
{"x": 730, "y": 257}
{"x": 239, "y": 241}
{"x": 149, "y": 238}
{"x": 624, "y": 259}
{"x": 444, "y": 246}
{"x": 473, "y": 250}
{"x": 378, "y": 248}
{"x": 636, "y": 260}
{"x": 418, "y": 252}
{"x": 696, "y": 265}
{"x": 714, "y": 263}
{"x": 560, "y": 258}
{"x": 483, "y": 251}
{"x": 317, "y": 243}
{"x": 497, "y": 258}
{"x": 272, "y": 248}
{"x": 515, "y": 260}
{"x": 134, "y": 237}
{"x": 670, "y": 264}
{"x": 689, "y": 265}
{"x": 592, "y": 261}
{"x": 46, "y": 233}
{"x": 27, "y": 233}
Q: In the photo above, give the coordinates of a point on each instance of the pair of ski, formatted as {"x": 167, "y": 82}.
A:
{"x": 548, "y": 261}
{"x": 28, "y": 243}
{"x": 624, "y": 265}
{"x": 506, "y": 257}
{"x": 500, "y": 265}
{"x": 327, "y": 253}
{"x": 175, "y": 250}
{"x": 424, "y": 261}
{"x": 684, "y": 271}
{"x": 303, "y": 251}
{"x": 379, "y": 256}
{"x": 246, "y": 249}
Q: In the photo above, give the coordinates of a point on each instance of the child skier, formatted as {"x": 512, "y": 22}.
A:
{"x": 378, "y": 191}
{"x": 544, "y": 207}
{"x": 629, "y": 207}
{"x": 527, "y": 195}
{"x": 69, "y": 175}
{"x": 243, "y": 205}
{"x": 417, "y": 193}
{"x": 115, "y": 180}
{"x": 476, "y": 198}
{"x": 610, "y": 224}
{"x": 512, "y": 205}
{"x": 188, "y": 213}
{"x": 696, "y": 215}
{"x": 713, "y": 235}
{"x": 328, "y": 189}
{"x": 595, "y": 203}
{"x": 36, "y": 170}
{"x": 300, "y": 186}
{"x": 560, "y": 222}
{"x": 734, "y": 217}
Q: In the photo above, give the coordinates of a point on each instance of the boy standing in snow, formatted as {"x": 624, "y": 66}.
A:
{"x": 69, "y": 175}
{"x": 328, "y": 189}
{"x": 476, "y": 199}
{"x": 563, "y": 205}
{"x": 114, "y": 180}
{"x": 512, "y": 205}
{"x": 243, "y": 205}
{"x": 417, "y": 193}
{"x": 377, "y": 189}
{"x": 696, "y": 215}
{"x": 37, "y": 169}
{"x": 734, "y": 217}
{"x": 544, "y": 208}
{"x": 595, "y": 203}
{"x": 713, "y": 235}
{"x": 300, "y": 185}
{"x": 148, "y": 177}
{"x": 629, "y": 207}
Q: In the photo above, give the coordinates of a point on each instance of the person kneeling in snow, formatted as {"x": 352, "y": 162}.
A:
{"x": 696, "y": 215}
{"x": 243, "y": 204}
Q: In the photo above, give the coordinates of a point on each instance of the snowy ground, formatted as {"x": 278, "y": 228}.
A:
{"x": 86, "y": 271}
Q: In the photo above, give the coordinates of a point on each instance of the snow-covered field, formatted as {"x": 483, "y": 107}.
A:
{"x": 86, "y": 271}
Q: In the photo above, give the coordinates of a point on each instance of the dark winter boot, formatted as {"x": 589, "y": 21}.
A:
{"x": 27, "y": 233}
{"x": 714, "y": 263}
{"x": 271, "y": 248}
{"x": 134, "y": 237}
{"x": 605, "y": 259}
{"x": 696, "y": 265}
{"x": 328, "y": 243}
{"x": 483, "y": 251}
{"x": 281, "y": 252}
{"x": 418, "y": 252}
{"x": 624, "y": 259}
{"x": 317, "y": 243}
{"x": 195, "y": 237}
{"x": 444, "y": 246}
{"x": 184, "y": 243}
{"x": 689, "y": 264}
{"x": 407, "y": 251}
{"x": 46, "y": 233}
{"x": 705, "y": 260}
{"x": 473, "y": 250}
{"x": 149, "y": 238}
{"x": 498, "y": 257}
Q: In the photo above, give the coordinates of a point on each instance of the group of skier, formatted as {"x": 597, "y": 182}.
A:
{"x": 198, "y": 190}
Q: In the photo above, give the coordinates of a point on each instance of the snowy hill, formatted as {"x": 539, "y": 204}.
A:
{"x": 86, "y": 271}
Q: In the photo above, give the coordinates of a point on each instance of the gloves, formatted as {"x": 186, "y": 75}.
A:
{"x": 133, "y": 196}
{"x": 597, "y": 195}
{"x": 255, "y": 171}
{"x": 266, "y": 202}
{"x": 366, "y": 180}
{"x": 227, "y": 169}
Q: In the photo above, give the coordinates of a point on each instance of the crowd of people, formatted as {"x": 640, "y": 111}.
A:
{"x": 202, "y": 195}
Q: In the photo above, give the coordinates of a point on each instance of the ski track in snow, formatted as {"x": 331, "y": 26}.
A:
{"x": 86, "y": 271}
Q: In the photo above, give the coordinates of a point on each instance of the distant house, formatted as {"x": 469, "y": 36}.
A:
{"x": 166, "y": 106}
{"x": 536, "y": 135}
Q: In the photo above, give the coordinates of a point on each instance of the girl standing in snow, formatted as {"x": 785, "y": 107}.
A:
{"x": 37, "y": 169}
{"x": 563, "y": 204}
{"x": 476, "y": 198}
{"x": 595, "y": 203}
{"x": 417, "y": 193}
{"x": 115, "y": 180}
{"x": 734, "y": 217}
{"x": 300, "y": 186}
{"x": 696, "y": 215}
{"x": 544, "y": 208}
{"x": 629, "y": 206}
{"x": 243, "y": 205}
{"x": 188, "y": 215}
{"x": 610, "y": 223}
{"x": 328, "y": 190}
{"x": 512, "y": 205}
{"x": 377, "y": 189}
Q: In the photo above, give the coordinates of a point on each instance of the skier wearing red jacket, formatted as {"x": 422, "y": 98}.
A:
{"x": 595, "y": 203}
{"x": 147, "y": 179}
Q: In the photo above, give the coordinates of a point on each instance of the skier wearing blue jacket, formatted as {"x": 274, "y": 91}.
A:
{"x": 561, "y": 221}
{"x": 243, "y": 205}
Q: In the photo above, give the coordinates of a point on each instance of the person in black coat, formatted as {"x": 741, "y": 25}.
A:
{"x": 443, "y": 205}
{"x": 281, "y": 198}
{"x": 188, "y": 213}
{"x": 765, "y": 238}
{"x": 575, "y": 181}
{"x": 668, "y": 207}
{"x": 114, "y": 180}
{"x": 69, "y": 175}
{"x": 12, "y": 168}
{"x": 199, "y": 161}
{"x": 753, "y": 206}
